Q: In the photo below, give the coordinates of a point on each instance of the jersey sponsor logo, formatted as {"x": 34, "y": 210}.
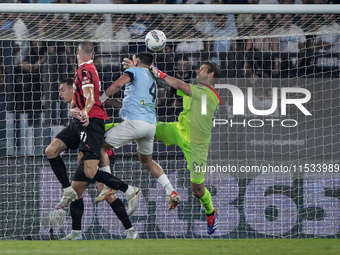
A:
{"x": 142, "y": 102}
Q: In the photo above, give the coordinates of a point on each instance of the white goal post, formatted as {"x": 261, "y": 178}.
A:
{"x": 273, "y": 164}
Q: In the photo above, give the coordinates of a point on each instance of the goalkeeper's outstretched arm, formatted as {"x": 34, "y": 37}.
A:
{"x": 172, "y": 81}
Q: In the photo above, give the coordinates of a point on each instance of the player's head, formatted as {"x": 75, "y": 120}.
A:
{"x": 66, "y": 90}
{"x": 208, "y": 71}
{"x": 145, "y": 59}
{"x": 85, "y": 50}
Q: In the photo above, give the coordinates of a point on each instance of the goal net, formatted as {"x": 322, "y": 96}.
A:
{"x": 273, "y": 164}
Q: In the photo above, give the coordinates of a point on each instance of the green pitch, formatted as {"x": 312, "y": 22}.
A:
{"x": 179, "y": 246}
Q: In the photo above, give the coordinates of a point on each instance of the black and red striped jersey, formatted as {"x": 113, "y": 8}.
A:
{"x": 87, "y": 76}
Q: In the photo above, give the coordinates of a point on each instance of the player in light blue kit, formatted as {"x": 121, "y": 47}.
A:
{"x": 139, "y": 115}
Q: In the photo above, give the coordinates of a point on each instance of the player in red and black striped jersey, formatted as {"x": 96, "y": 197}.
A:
{"x": 68, "y": 138}
{"x": 89, "y": 129}
{"x": 86, "y": 91}
{"x": 85, "y": 79}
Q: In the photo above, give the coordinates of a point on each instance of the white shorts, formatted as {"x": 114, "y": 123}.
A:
{"x": 132, "y": 130}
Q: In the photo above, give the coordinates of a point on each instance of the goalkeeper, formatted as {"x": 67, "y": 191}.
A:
{"x": 192, "y": 131}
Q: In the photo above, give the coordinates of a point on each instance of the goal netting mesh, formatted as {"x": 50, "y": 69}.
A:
{"x": 273, "y": 167}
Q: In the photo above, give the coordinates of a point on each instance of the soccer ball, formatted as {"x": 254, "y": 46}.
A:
{"x": 155, "y": 40}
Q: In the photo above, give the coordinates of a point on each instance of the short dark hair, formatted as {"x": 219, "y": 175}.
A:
{"x": 68, "y": 81}
{"x": 87, "y": 47}
{"x": 213, "y": 67}
{"x": 146, "y": 58}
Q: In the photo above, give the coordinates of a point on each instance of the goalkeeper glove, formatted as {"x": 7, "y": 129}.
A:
{"x": 127, "y": 63}
{"x": 156, "y": 73}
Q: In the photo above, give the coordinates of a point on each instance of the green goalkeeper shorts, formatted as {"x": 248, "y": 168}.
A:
{"x": 110, "y": 125}
{"x": 167, "y": 132}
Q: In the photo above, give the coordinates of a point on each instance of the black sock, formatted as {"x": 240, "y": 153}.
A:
{"x": 110, "y": 180}
{"x": 77, "y": 210}
{"x": 59, "y": 169}
{"x": 119, "y": 209}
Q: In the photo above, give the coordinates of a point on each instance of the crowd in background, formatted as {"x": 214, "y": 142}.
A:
{"x": 179, "y": 1}
{"x": 30, "y": 71}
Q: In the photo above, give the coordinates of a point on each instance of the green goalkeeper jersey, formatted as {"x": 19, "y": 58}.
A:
{"x": 191, "y": 116}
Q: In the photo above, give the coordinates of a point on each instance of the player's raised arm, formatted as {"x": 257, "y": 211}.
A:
{"x": 172, "y": 81}
{"x": 114, "y": 87}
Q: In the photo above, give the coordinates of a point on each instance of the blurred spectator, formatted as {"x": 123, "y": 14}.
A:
{"x": 29, "y": 80}
{"x": 60, "y": 64}
{"x": 188, "y": 31}
{"x": 268, "y": 63}
{"x": 140, "y": 27}
{"x": 234, "y": 1}
{"x": 2, "y": 83}
{"x": 320, "y": 1}
{"x": 3, "y": 117}
{"x": 251, "y": 69}
{"x": 20, "y": 32}
{"x": 64, "y": 1}
{"x": 293, "y": 41}
{"x": 166, "y": 61}
{"x": 217, "y": 28}
{"x": 162, "y": 104}
{"x": 120, "y": 1}
{"x": 220, "y": 26}
{"x": 245, "y": 21}
{"x": 108, "y": 51}
{"x": 201, "y": 22}
{"x": 6, "y": 46}
{"x": 41, "y": 1}
{"x": 169, "y": 25}
{"x": 268, "y": 2}
{"x": 328, "y": 41}
{"x": 6, "y": 24}
{"x": 198, "y": 2}
{"x": 183, "y": 70}
{"x": 95, "y": 21}
{"x": 78, "y": 25}
{"x": 283, "y": 1}
{"x": 101, "y": 1}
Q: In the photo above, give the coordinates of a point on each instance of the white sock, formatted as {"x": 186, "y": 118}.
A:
{"x": 130, "y": 229}
{"x": 129, "y": 191}
{"x": 76, "y": 231}
{"x": 164, "y": 181}
{"x": 105, "y": 169}
{"x": 68, "y": 189}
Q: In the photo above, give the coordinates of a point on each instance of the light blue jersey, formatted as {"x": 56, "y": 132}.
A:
{"x": 140, "y": 96}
